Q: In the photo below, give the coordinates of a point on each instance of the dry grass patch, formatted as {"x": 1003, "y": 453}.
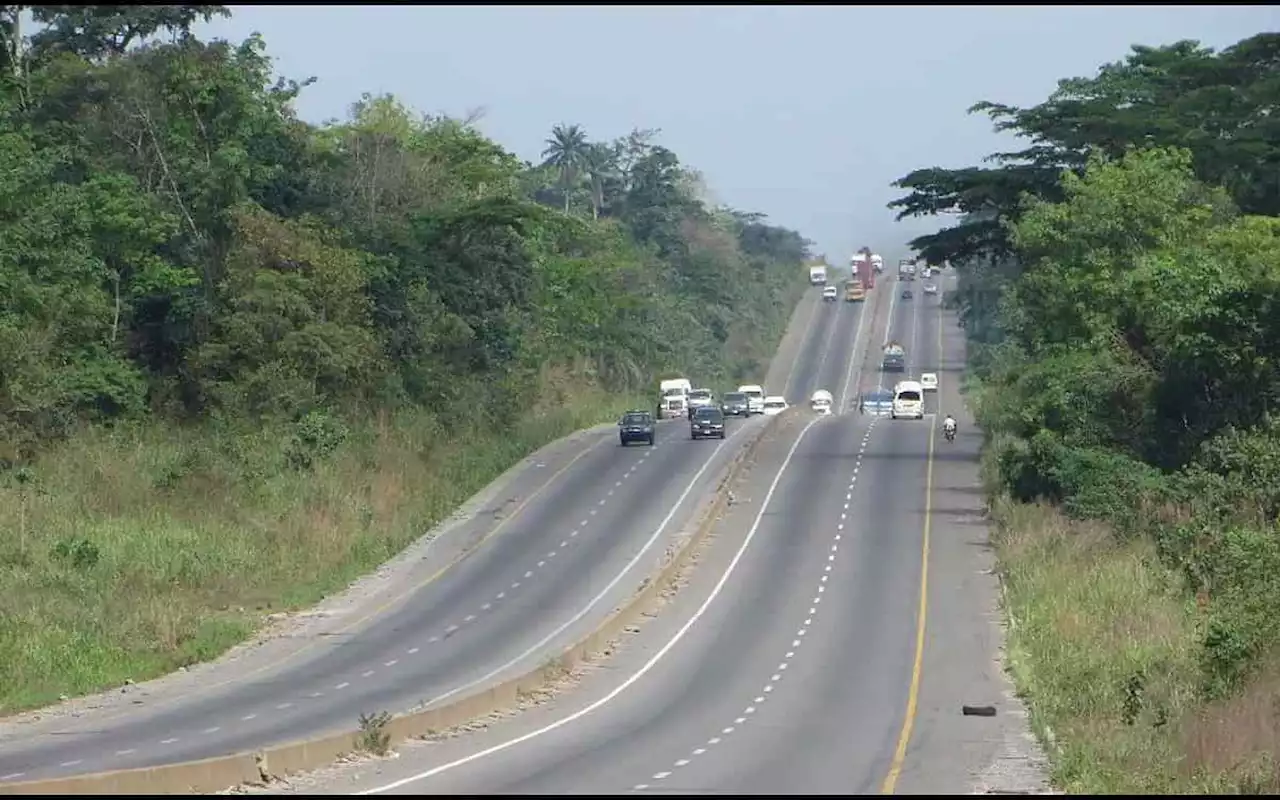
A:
{"x": 1104, "y": 645}
{"x": 134, "y": 551}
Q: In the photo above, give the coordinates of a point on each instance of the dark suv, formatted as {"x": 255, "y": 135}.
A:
{"x": 707, "y": 422}
{"x": 636, "y": 426}
{"x": 734, "y": 404}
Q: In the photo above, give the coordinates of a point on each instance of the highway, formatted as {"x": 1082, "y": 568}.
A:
{"x": 579, "y": 542}
{"x": 792, "y": 662}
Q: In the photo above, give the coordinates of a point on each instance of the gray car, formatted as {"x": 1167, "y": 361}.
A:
{"x": 734, "y": 404}
{"x": 707, "y": 423}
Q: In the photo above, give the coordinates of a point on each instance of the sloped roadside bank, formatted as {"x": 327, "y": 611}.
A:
{"x": 285, "y": 634}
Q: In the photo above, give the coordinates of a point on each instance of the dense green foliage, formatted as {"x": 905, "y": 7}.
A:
{"x": 177, "y": 241}
{"x": 244, "y": 358}
{"x": 1120, "y": 284}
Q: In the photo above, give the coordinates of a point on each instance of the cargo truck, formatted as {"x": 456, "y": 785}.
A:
{"x": 863, "y": 268}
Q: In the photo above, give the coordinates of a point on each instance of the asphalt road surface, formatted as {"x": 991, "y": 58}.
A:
{"x": 793, "y": 661}
{"x": 554, "y": 571}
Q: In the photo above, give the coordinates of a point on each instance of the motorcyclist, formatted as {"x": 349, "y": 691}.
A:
{"x": 949, "y": 425}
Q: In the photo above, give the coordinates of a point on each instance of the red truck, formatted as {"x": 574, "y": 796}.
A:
{"x": 864, "y": 269}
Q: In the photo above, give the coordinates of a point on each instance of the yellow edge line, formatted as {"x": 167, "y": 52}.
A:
{"x": 922, "y": 614}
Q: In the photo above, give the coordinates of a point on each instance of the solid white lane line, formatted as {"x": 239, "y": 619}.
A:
{"x": 648, "y": 666}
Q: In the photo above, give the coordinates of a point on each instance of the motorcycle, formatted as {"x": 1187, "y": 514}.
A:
{"x": 949, "y": 434}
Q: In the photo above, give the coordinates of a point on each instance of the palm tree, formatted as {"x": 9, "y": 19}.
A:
{"x": 600, "y": 162}
{"x": 566, "y": 150}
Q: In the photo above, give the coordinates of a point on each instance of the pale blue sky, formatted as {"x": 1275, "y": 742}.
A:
{"x": 806, "y": 113}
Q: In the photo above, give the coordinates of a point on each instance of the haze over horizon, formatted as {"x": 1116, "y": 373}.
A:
{"x": 776, "y": 106}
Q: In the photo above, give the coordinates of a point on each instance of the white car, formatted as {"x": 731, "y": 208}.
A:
{"x": 821, "y": 402}
{"x": 930, "y": 288}
{"x": 929, "y": 381}
{"x": 830, "y": 293}
{"x": 774, "y": 405}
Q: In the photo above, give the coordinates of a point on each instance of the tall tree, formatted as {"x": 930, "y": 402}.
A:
{"x": 566, "y": 150}
{"x": 600, "y": 163}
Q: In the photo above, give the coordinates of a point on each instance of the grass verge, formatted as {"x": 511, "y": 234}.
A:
{"x": 1104, "y": 646}
{"x": 131, "y": 552}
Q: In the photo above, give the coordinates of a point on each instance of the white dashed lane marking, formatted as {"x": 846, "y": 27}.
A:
{"x": 776, "y": 677}
{"x": 448, "y": 631}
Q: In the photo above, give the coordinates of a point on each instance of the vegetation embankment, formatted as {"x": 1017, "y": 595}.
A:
{"x": 1120, "y": 288}
{"x": 244, "y": 359}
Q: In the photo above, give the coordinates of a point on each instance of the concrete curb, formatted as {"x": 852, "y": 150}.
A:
{"x": 216, "y": 774}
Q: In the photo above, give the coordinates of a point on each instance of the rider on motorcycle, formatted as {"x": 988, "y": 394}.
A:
{"x": 949, "y": 425}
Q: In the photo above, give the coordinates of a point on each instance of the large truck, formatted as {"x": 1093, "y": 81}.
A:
{"x": 877, "y": 263}
{"x": 853, "y": 291}
{"x": 907, "y": 269}
{"x": 863, "y": 268}
{"x": 817, "y": 274}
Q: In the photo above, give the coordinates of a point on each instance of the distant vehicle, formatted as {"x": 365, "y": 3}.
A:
{"x": 906, "y": 294}
{"x": 636, "y": 426}
{"x": 908, "y": 400}
{"x": 673, "y": 407}
{"x": 774, "y": 405}
{"x": 830, "y": 294}
{"x": 853, "y": 291}
{"x": 675, "y": 386}
{"x": 699, "y": 398}
{"x": 930, "y": 288}
{"x": 818, "y": 274}
{"x": 895, "y": 358}
{"x": 877, "y": 263}
{"x": 821, "y": 401}
{"x": 929, "y": 381}
{"x": 707, "y": 422}
{"x": 734, "y": 404}
{"x": 755, "y": 397}
{"x": 877, "y": 402}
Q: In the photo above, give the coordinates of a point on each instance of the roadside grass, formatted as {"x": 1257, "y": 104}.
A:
{"x": 1104, "y": 646}
{"x": 133, "y": 551}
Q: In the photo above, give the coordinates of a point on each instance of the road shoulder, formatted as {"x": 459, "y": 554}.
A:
{"x": 953, "y": 751}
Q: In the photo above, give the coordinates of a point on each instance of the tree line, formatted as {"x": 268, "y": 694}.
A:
{"x": 1120, "y": 288}
{"x": 176, "y": 243}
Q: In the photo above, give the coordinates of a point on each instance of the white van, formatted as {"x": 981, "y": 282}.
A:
{"x": 908, "y": 400}
{"x": 755, "y": 397}
{"x": 821, "y": 401}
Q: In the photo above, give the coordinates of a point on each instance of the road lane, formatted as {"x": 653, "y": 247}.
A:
{"x": 557, "y": 569}
{"x": 800, "y": 384}
{"x": 790, "y": 682}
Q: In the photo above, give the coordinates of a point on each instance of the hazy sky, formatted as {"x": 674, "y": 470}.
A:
{"x": 806, "y": 113}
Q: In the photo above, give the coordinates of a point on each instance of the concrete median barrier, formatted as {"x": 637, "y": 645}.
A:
{"x": 216, "y": 774}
